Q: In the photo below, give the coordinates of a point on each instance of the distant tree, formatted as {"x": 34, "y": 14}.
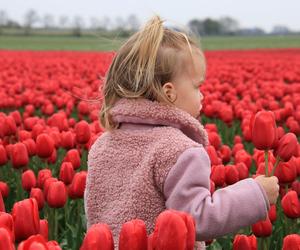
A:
{"x": 280, "y": 30}
{"x": 31, "y": 17}
{"x": 229, "y": 26}
{"x": 63, "y": 21}
{"x": 196, "y": 26}
{"x": 3, "y": 20}
{"x": 105, "y": 23}
{"x": 120, "y": 23}
{"x": 78, "y": 25}
{"x": 48, "y": 21}
{"x": 211, "y": 27}
{"x": 133, "y": 23}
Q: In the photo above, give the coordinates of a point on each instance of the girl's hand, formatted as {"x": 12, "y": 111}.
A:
{"x": 270, "y": 185}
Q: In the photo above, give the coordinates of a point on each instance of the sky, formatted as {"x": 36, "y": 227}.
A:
{"x": 251, "y": 13}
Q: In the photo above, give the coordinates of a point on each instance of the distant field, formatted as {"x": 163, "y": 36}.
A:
{"x": 100, "y": 43}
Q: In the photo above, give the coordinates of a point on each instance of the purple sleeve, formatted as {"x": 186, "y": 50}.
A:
{"x": 229, "y": 209}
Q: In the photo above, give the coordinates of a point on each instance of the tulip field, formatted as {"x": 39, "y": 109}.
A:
{"x": 49, "y": 105}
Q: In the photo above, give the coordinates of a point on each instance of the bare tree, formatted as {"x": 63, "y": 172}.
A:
{"x": 95, "y": 23}
{"x": 48, "y": 21}
{"x": 229, "y": 25}
{"x": 78, "y": 24}
{"x": 105, "y": 23}
{"x": 133, "y": 22}
{"x": 119, "y": 23}
{"x": 31, "y": 17}
{"x": 3, "y": 20}
{"x": 63, "y": 21}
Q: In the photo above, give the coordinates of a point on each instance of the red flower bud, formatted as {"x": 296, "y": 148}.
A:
{"x": 25, "y": 211}
{"x": 19, "y": 155}
{"x": 98, "y": 235}
{"x": 287, "y": 147}
{"x": 244, "y": 242}
{"x": 6, "y": 241}
{"x": 38, "y": 194}
{"x": 262, "y": 228}
{"x": 57, "y": 194}
{"x": 291, "y": 205}
{"x": 291, "y": 242}
{"x": 66, "y": 172}
{"x": 169, "y": 223}
{"x": 133, "y": 236}
{"x": 28, "y": 180}
{"x": 263, "y": 130}
{"x": 44, "y": 146}
{"x": 83, "y": 132}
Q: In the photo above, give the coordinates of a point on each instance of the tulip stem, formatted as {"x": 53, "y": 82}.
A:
{"x": 276, "y": 163}
{"x": 266, "y": 162}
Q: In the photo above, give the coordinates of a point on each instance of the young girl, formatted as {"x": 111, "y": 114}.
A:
{"x": 152, "y": 156}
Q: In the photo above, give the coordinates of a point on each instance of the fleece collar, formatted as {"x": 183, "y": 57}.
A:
{"x": 144, "y": 111}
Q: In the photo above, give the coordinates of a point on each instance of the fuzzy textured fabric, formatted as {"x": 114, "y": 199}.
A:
{"x": 127, "y": 168}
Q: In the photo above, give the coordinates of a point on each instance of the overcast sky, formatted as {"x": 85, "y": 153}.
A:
{"x": 250, "y": 13}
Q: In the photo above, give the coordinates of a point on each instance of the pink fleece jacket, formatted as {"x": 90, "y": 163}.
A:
{"x": 156, "y": 160}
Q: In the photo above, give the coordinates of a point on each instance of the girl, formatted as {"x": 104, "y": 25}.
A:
{"x": 152, "y": 156}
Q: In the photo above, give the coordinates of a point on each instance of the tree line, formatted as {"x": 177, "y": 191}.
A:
{"x": 77, "y": 26}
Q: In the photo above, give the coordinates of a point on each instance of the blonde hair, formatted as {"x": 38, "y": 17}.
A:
{"x": 147, "y": 60}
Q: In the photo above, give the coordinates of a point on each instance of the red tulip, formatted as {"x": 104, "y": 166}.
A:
{"x": 37, "y": 193}
{"x": 2, "y": 205}
{"x": 66, "y": 172}
{"x": 190, "y": 225}
{"x": 214, "y": 139}
{"x": 215, "y": 160}
{"x": 291, "y": 205}
{"x": 262, "y": 168}
{"x": 3, "y": 155}
{"x": 47, "y": 183}
{"x": 263, "y": 130}
{"x": 218, "y": 175}
{"x": 287, "y": 147}
{"x": 6, "y": 241}
{"x": 6, "y": 220}
{"x": 4, "y": 189}
{"x": 67, "y": 140}
{"x": 73, "y": 156}
{"x": 291, "y": 242}
{"x": 133, "y": 236}
{"x": 19, "y": 155}
{"x": 243, "y": 156}
{"x": 77, "y": 187}
{"x": 225, "y": 153}
{"x": 296, "y": 187}
{"x": 231, "y": 174}
{"x": 34, "y": 242}
{"x": 44, "y": 229}
{"x": 244, "y": 242}
{"x": 57, "y": 194}
{"x": 44, "y": 146}
{"x": 28, "y": 180}
{"x": 243, "y": 170}
{"x": 169, "y": 223}
{"x": 286, "y": 172}
{"x": 43, "y": 174}
{"x": 262, "y": 228}
{"x": 24, "y": 135}
{"x": 31, "y": 146}
{"x": 53, "y": 245}
{"x": 98, "y": 236}
{"x": 83, "y": 132}
{"x": 272, "y": 213}
{"x": 25, "y": 211}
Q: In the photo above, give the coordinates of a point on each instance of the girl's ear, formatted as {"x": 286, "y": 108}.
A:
{"x": 170, "y": 91}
